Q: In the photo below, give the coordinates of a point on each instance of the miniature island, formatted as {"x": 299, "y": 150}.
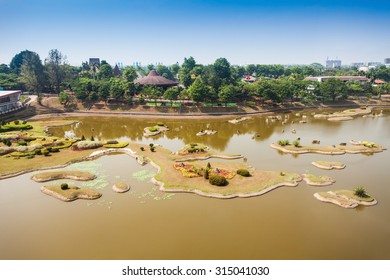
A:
{"x": 239, "y": 119}
{"x": 347, "y": 198}
{"x": 313, "y": 180}
{"x": 70, "y": 193}
{"x": 345, "y": 115}
{"x": 121, "y": 187}
{"x": 155, "y": 130}
{"x": 56, "y": 175}
{"x": 328, "y": 165}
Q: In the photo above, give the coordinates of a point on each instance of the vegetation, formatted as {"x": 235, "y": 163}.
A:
{"x": 116, "y": 145}
{"x": 360, "y": 191}
{"x": 243, "y": 172}
{"x": 283, "y": 142}
{"x": 83, "y": 145}
{"x": 70, "y": 193}
{"x": 64, "y": 186}
{"x": 218, "y": 180}
{"x": 63, "y": 174}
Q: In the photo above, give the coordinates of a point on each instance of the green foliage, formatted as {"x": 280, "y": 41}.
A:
{"x": 243, "y": 172}
{"x": 82, "y": 138}
{"x": 360, "y": 191}
{"x": 283, "y": 142}
{"x": 208, "y": 165}
{"x": 151, "y": 145}
{"x": 22, "y": 143}
{"x": 153, "y": 129}
{"x": 45, "y": 152}
{"x": 105, "y": 72}
{"x": 206, "y": 173}
{"x": 296, "y": 143}
{"x": 63, "y": 97}
{"x": 55, "y": 150}
{"x": 142, "y": 149}
{"x": 38, "y": 152}
{"x": 16, "y": 122}
{"x": 64, "y": 186}
{"x": 152, "y": 149}
{"x": 218, "y": 180}
{"x": 29, "y": 139}
{"x": 92, "y": 138}
{"x": 112, "y": 142}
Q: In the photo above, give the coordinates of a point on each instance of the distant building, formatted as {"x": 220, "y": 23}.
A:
{"x": 117, "y": 72}
{"x": 153, "y": 78}
{"x": 387, "y": 61}
{"x": 358, "y": 64}
{"x": 361, "y": 79}
{"x": 93, "y": 61}
{"x": 9, "y": 99}
{"x": 375, "y": 64}
{"x": 248, "y": 79}
{"x": 333, "y": 63}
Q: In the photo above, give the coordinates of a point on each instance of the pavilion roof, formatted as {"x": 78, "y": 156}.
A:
{"x": 153, "y": 78}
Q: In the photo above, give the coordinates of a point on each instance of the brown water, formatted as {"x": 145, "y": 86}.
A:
{"x": 287, "y": 223}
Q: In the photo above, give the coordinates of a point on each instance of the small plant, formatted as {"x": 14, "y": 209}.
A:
{"x": 24, "y": 122}
{"x": 92, "y": 138}
{"x": 360, "y": 191}
{"x": 29, "y": 139}
{"x": 208, "y": 165}
{"x": 16, "y": 122}
{"x": 49, "y": 149}
{"x": 283, "y": 142}
{"x": 64, "y": 186}
{"x": 152, "y": 149}
{"x": 82, "y": 138}
{"x": 243, "y": 172}
{"x": 218, "y": 180}
{"x": 296, "y": 143}
{"x": 142, "y": 148}
{"x": 282, "y": 173}
{"x": 206, "y": 173}
{"x": 8, "y": 142}
{"x": 160, "y": 124}
{"x": 55, "y": 150}
{"x": 38, "y": 152}
{"x": 45, "y": 152}
{"x": 112, "y": 142}
{"x": 22, "y": 143}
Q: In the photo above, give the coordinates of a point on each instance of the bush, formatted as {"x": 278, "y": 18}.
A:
{"x": 160, "y": 124}
{"x": 218, "y": 180}
{"x": 251, "y": 103}
{"x": 360, "y": 191}
{"x": 142, "y": 148}
{"x": 22, "y": 143}
{"x": 38, "y": 152}
{"x": 152, "y": 149}
{"x": 45, "y": 152}
{"x": 206, "y": 173}
{"x": 283, "y": 142}
{"x": 296, "y": 143}
{"x": 243, "y": 172}
{"x": 49, "y": 149}
{"x": 16, "y": 122}
{"x": 141, "y": 100}
{"x": 24, "y": 122}
{"x": 82, "y": 145}
{"x": 153, "y": 129}
{"x": 29, "y": 139}
{"x": 208, "y": 165}
{"x": 64, "y": 186}
{"x": 112, "y": 142}
{"x": 92, "y": 138}
{"x": 82, "y": 138}
{"x": 55, "y": 150}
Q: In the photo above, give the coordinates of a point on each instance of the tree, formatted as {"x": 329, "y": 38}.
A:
{"x": 104, "y": 89}
{"x": 171, "y": 94}
{"x": 198, "y": 90}
{"x": 152, "y": 92}
{"x": 31, "y": 72}
{"x": 116, "y": 88}
{"x": 5, "y": 69}
{"x": 9, "y": 81}
{"x": 54, "y": 67}
{"x": 129, "y": 74}
{"x": 17, "y": 61}
{"x": 175, "y": 69}
{"x": 227, "y": 93}
{"x": 105, "y": 71}
{"x": 63, "y": 97}
{"x": 162, "y": 70}
{"x": 333, "y": 88}
{"x": 150, "y": 67}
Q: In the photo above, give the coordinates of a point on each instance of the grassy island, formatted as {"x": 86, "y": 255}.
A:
{"x": 327, "y": 150}
{"x": 313, "y": 180}
{"x": 155, "y": 130}
{"x": 345, "y": 198}
{"x": 345, "y": 115}
{"x": 70, "y": 193}
{"x": 56, "y": 175}
{"x": 328, "y": 165}
{"x": 121, "y": 187}
{"x": 239, "y": 119}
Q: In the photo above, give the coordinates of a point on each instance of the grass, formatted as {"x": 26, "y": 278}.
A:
{"x": 351, "y": 194}
{"x": 117, "y": 146}
{"x": 64, "y": 174}
{"x": 167, "y": 104}
{"x": 206, "y": 104}
{"x": 330, "y": 164}
{"x": 318, "y": 179}
{"x": 346, "y": 198}
{"x": 72, "y": 193}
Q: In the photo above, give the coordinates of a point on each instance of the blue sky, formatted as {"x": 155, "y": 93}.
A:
{"x": 166, "y": 31}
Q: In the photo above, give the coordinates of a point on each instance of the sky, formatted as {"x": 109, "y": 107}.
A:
{"x": 167, "y": 31}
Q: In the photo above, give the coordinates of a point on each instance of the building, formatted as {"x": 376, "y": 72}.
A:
{"x": 358, "y": 64}
{"x": 387, "y": 60}
{"x": 95, "y": 61}
{"x": 153, "y": 78}
{"x": 375, "y": 64}
{"x": 320, "y": 79}
{"x": 9, "y": 100}
{"x": 333, "y": 63}
{"x": 248, "y": 79}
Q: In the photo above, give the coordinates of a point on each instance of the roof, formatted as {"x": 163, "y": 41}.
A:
{"x": 153, "y": 78}
{"x": 343, "y": 78}
{"x": 377, "y": 81}
{"x": 4, "y": 93}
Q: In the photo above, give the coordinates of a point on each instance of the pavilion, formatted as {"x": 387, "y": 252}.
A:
{"x": 154, "y": 79}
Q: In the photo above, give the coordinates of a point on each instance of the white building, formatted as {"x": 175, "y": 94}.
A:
{"x": 9, "y": 99}
{"x": 333, "y": 63}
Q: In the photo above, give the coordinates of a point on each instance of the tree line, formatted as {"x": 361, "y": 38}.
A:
{"x": 217, "y": 82}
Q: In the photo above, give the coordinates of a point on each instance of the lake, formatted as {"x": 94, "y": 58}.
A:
{"x": 145, "y": 223}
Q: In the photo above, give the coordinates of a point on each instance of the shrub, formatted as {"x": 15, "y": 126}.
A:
{"x": 160, "y": 124}
{"x": 218, "y": 180}
{"x": 82, "y": 145}
{"x": 152, "y": 149}
{"x": 112, "y": 142}
{"x": 251, "y": 103}
{"x": 153, "y": 129}
{"x": 49, "y": 149}
{"x": 283, "y": 142}
{"x": 92, "y": 138}
{"x": 38, "y": 152}
{"x": 282, "y": 173}
{"x": 55, "y": 150}
{"x": 208, "y": 165}
{"x": 22, "y": 143}
{"x": 8, "y": 143}
{"x": 243, "y": 172}
{"x": 29, "y": 139}
{"x": 142, "y": 148}
{"x": 360, "y": 191}
{"x": 141, "y": 100}
{"x": 24, "y": 122}
{"x": 206, "y": 173}
{"x": 296, "y": 143}
{"x": 16, "y": 122}
{"x": 45, "y": 152}
{"x": 82, "y": 138}
{"x": 64, "y": 186}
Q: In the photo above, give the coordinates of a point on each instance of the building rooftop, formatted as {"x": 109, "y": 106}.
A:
{"x": 4, "y": 93}
{"x": 153, "y": 78}
{"x": 343, "y": 78}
